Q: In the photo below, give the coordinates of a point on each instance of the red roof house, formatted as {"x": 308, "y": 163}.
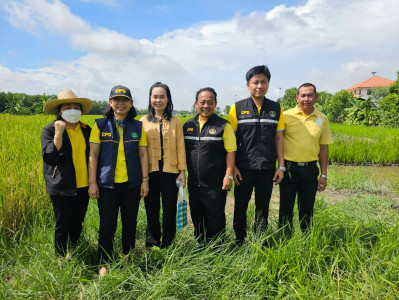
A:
{"x": 364, "y": 88}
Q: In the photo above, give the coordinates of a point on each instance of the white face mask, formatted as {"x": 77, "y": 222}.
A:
{"x": 71, "y": 115}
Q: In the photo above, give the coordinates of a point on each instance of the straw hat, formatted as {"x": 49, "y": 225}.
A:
{"x": 67, "y": 96}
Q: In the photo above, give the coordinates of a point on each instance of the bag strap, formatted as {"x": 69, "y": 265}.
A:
{"x": 181, "y": 194}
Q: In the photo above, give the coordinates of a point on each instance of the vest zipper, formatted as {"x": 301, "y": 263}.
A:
{"x": 55, "y": 169}
{"x": 198, "y": 152}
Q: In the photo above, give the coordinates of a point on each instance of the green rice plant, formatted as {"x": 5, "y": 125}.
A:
{"x": 352, "y": 252}
{"x": 364, "y": 145}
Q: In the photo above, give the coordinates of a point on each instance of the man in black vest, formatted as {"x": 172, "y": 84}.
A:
{"x": 259, "y": 125}
{"x": 210, "y": 148}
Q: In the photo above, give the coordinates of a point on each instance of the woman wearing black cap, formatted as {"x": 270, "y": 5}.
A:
{"x": 167, "y": 163}
{"x": 65, "y": 151}
{"x": 118, "y": 171}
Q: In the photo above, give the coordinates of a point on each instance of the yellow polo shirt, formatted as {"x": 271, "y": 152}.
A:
{"x": 232, "y": 118}
{"x": 79, "y": 155}
{"x": 229, "y": 138}
{"x": 303, "y": 135}
{"x": 120, "y": 168}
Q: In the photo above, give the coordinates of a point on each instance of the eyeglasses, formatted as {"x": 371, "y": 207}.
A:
{"x": 121, "y": 99}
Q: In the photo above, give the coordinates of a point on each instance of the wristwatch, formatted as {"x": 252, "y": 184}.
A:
{"x": 282, "y": 168}
{"x": 229, "y": 177}
{"x": 324, "y": 176}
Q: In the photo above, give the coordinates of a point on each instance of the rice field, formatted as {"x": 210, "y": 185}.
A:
{"x": 352, "y": 253}
{"x": 361, "y": 145}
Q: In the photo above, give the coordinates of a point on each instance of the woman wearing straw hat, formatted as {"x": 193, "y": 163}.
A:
{"x": 65, "y": 151}
{"x": 118, "y": 171}
{"x": 167, "y": 163}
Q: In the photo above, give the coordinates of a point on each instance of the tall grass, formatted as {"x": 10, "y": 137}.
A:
{"x": 352, "y": 251}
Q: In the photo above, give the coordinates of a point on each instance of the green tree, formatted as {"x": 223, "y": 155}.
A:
{"x": 324, "y": 97}
{"x": 288, "y": 100}
{"x": 363, "y": 112}
{"x": 335, "y": 107}
{"x": 379, "y": 92}
{"x": 389, "y": 110}
{"x": 15, "y": 106}
{"x": 389, "y": 105}
{"x": 98, "y": 107}
{"x": 37, "y": 107}
{"x": 227, "y": 109}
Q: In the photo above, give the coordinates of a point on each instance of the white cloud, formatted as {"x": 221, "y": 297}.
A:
{"x": 332, "y": 43}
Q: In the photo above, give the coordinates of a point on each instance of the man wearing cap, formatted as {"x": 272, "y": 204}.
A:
{"x": 259, "y": 125}
{"x": 210, "y": 149}
{"x": 118, "y": 171}
{"x": 65, "y": 151}
{"x": 306, "y": 139}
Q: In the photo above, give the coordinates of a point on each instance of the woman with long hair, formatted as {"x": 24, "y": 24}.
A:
{"x": 118, "y": 172}
{"x": 65, "y": 151}
{"x": 167, "y": 164}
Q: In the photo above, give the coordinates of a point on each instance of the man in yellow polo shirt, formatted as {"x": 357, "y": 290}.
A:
{"x": 306, "y": 139}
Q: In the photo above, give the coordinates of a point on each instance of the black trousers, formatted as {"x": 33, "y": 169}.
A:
{"x": 161, "y": 183}
{"x": 301, "y": 181}
{"x": 110, "y": 201}
{"x": 69, "y": 213}
{"x": 207, "y": 207}
{"x": 262, "y": 181}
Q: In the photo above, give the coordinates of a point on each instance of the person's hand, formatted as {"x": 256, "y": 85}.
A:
{"x": 182, "y": 178}
{"x": 322, "y": 184}
{"x": 93, "y": 191}
{"x": 278, "y": 176}
{"x": 144, "y": 188}
{"x": 237, "y": 175}
{"x": 59, "y": 127}
{"x": 227, "y": 183}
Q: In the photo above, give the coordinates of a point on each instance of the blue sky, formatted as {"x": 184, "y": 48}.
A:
{"x": 91, "y": 45}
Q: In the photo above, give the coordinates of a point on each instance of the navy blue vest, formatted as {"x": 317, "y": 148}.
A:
{"x": 109, "y": 136}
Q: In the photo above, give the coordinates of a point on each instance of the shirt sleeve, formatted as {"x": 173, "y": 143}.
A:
{"x": 143, "y": 139}
{"x": 281, "y": 121}
{"x": 95, "y": 135}
{"x": 232, "y": 117}
{"x": 325, "y": 137}
{"x": 229, "y": 138}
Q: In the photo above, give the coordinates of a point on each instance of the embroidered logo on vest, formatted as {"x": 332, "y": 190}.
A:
{"x": 212, "y": 131}
{"x": 190, "y": 129}
{"x": 134, "y": 135}
{"x": 105, "y": 133}
{"x": 272, "y": 113}
{"x": 245, "y": 112}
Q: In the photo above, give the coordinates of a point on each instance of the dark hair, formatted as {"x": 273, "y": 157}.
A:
{"x": 256, "y": 71}
{"x": 58, "y": 110}
{"x": 169, "y": 106}
{"x": 207, "y": 89}
{"x": 109, "y": 113}
{"x": 307, "y": 84}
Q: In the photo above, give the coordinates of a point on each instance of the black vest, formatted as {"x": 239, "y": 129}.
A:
{"x": 206, "y": 155}
{"x": 256, "y": 147}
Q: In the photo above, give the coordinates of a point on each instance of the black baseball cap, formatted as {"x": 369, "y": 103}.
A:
{"x": 120, "y": 91}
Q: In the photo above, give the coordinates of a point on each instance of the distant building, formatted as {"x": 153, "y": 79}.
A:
{"x": 364, "y": 88}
